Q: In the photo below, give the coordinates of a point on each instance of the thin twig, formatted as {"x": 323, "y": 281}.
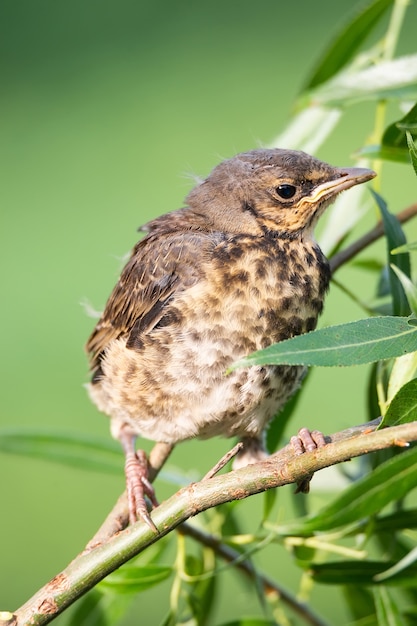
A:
{"x": 269, "y": 586}
{"x": 223, "y": 461}
{"x": 89, "y": 569}
{"x": 342, "y": 257}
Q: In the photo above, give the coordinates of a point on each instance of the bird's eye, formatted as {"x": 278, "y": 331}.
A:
{"x": 286, "y": 191}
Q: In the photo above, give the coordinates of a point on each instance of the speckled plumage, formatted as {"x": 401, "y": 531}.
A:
{"x": 235, "y": 271}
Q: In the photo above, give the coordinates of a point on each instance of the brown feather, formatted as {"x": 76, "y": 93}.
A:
{"x": 163, "y": 263}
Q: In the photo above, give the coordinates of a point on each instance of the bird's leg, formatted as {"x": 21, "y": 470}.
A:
{"x": 137, "y": 482}
{"x": 306, "y": 441}
{"x": 252, "y": 451}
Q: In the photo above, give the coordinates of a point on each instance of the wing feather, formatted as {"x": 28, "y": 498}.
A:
{"x": 161, "y": 265}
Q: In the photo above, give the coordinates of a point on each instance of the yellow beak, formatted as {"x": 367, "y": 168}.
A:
{"x": 348, "y": 177}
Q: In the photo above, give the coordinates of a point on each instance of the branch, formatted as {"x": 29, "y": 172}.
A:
{"x": 280, "y": 469}
{"x": 345, "y": 255}
{"x": 270, "y": 587}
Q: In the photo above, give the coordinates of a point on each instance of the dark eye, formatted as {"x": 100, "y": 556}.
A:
{"x": 286, "y": 191}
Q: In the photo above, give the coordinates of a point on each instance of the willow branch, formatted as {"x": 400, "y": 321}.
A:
{"x": 345, "y": 255}
{"x": 279, "y": 469}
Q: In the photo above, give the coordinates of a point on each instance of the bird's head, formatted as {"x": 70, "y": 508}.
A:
{"x": 283, "y": 192}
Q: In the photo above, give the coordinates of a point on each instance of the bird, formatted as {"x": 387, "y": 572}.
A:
{"x": 233, "y": 271}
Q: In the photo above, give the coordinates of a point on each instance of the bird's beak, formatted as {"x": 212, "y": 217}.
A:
{"x": 347, "y": 177}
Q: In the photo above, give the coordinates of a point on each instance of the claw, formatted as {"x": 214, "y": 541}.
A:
{"x": 307, "y": 441}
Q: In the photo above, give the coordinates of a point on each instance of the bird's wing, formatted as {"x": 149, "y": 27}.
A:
{"x": 161, "y": 265}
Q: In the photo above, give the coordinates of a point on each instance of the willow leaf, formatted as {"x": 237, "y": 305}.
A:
{"x": 354, "y": 343}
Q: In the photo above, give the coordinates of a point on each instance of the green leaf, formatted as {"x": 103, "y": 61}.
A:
{"x": 395, "y": 237}
{"x": 412, "y": 149}
{"x": 89, "y": 611}
{"x": 371, "y": 265}
{"x": 200, "y": 590}
{"x": 79, "y": 451}
{"x": 359, "y": 573}
{"x": 405, "y": 248}
{"x": 389, "y": 482}
{"x": 134, "y": 579}
{"x": 397, "y": 141}
{"x": 399, "y": 520}
{"x": 275, "y": 431}
{"x": 354, "y": 343}
{"x": 395, "y": 135}
{"x": 100, "y": 609}
{"x": 373, "y": 152}
{"x": 409, "y": 288}
{"x": 403, "y": 370}
{"x": 403, "y": 407}
{"x": 403, "y": 563}
{"x": 387, "y": 611}
{"x": 269, "y": 499}
{"x": 386, "y": 80}
{"x": 347, "y": 42}
{"x": 171, "y": 619}
{"x": 359, "y": 600}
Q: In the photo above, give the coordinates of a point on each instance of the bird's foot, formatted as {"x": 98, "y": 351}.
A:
{"x": 137, "y": 482}
{"x": 306, "y": 441}
{"x": 138, "y": 486}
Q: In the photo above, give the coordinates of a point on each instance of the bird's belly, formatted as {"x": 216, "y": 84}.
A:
{"x": 190, "y": 395}
{"x": 174, "y": 386}
{"x": 248, "y": 400}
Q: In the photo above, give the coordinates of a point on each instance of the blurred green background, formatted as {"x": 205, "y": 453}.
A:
{"x": 107, "y": 108}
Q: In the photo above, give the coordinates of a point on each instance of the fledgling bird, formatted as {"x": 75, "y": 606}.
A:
{"x": 234, "y": 271}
